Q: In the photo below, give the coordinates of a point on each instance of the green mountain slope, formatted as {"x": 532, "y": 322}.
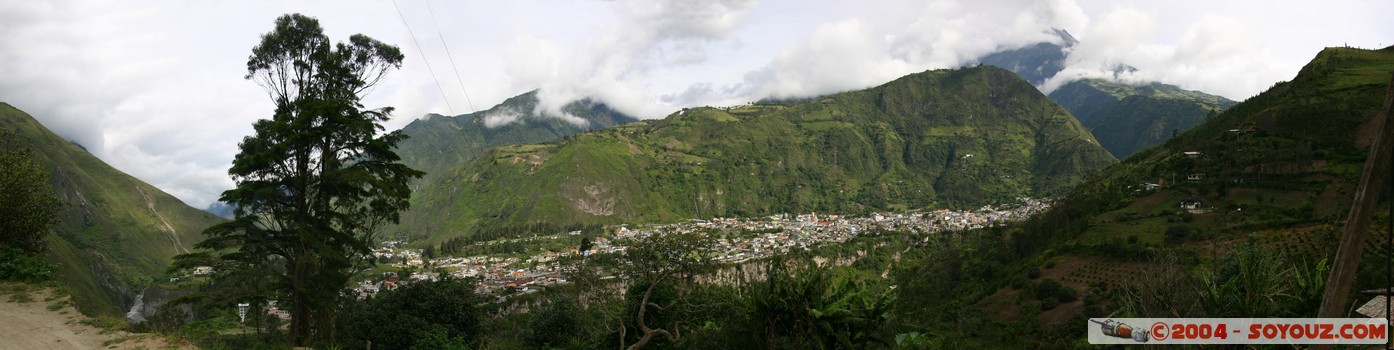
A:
{"x": 438, "y": 143}
{"x": 1274, "y": 178}
{"x": 1279, "y": 169}
{"x": 941, "y": 138}
{"x": 1288, "y": 156}
{"x": 1125, "y": 118}
{"x": 1129, "y": 118}
{"x": 116, "y": 233}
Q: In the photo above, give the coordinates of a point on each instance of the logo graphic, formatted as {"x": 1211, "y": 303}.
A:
{"x": 1281, "y": 331}
{"x": 1122, "y": 330}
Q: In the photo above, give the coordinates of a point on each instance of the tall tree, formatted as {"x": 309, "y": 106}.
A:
{"x": 28, "y": 207}
{"x": 319, "y": 178}
{"x": 662, "y": 266}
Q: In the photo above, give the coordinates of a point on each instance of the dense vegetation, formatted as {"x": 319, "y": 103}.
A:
{"x": 116, "y": 234}
{"x": 1273, "y": 176}
{"x": 1129, "y": 118}
{"x": 427, "y": 315}
{"x": 28, "y": 212}
{"x": 948, "y": 138}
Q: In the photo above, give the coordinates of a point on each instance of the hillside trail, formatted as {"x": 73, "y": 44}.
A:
{"x": 38, "y": 324}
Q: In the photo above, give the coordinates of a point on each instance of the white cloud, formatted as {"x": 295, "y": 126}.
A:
{"x": 892, "y": 39}
{"x": 838, "y": 56}
{"x": 1216, "y": 54}
{"x": 613, "y": 64}
{"x": 501, "y": 118}
{"x": 156, "y": 88}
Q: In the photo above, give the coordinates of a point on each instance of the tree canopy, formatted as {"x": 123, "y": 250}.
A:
{"x": 28, "y": 211}
{"x": 28, "y": 207}
{"x": 318, "y": 179}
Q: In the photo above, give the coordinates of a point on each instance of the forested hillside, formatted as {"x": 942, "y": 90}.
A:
{"x": 947, "y": 138}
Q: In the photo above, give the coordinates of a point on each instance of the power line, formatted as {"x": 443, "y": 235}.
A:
{"x": 423, "y": 57}
{"x": 448, "y": 55}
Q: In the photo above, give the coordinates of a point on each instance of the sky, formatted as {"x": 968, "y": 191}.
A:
{"x": 157, "y": 88}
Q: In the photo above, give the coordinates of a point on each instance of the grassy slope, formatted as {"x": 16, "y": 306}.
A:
{"x": 1293, "y": 178}
{"x": 1129, "y": 118}
{"x": 109, "y": 239}
{"x": 902, "y": 145}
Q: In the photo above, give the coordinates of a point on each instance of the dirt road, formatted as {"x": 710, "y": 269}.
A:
{"x": 32, "y": 325}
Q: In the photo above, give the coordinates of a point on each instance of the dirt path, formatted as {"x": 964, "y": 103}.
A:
{"x": 38, "y": 324}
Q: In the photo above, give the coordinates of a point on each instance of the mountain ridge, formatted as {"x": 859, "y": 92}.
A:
{"x": 1286, "y": 158}
{"x": 921, "y": 140}
{"x": 436, "y": 142}
{"x": 1125, "y": 117}
{"x": 116, "y": 233}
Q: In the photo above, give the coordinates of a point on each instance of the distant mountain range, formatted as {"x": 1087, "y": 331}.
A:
{"x": 116, "y": 233}
{"x": 438, "y": 143}
{"x": 1125, "y": 117}
{"x": 955, "y": 138}
{"x": 221, "y": 209}
{"x": 1129, "y": 118}
{"x": 1037, "y": 62}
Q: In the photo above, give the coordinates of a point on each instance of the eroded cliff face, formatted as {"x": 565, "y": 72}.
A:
{"x": 155, "y": 303}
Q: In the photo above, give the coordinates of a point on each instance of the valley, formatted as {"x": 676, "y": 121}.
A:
{"x": 691, "y": 174}
{"x": 533, "y": 263}
{"x": 938, "y": 139}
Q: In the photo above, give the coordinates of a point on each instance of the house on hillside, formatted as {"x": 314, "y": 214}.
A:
{"x": 1190, "y": 204}
{"x": 1195, "y": 177}
{"x": 1193, "y": 154}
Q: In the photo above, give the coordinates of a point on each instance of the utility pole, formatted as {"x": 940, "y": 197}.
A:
{"x": 1372, "y": 182}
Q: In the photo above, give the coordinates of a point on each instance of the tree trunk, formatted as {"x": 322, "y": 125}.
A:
{"x": 300, "y": 310}
{"x": 649, "y": 333}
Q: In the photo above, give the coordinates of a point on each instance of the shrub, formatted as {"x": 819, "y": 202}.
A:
{"x": 556, "y": 324}
{"x": 15, "y": 264}
{"x": 442, "y": 313}
{"x": 1176, "y": 234}
{"x": 1049, "y": 288}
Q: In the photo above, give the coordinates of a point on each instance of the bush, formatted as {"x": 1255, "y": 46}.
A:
{"x": 440, "y": 340}
{"x": 1019, "y": 283}
{"x": 28, "y": 207}
{"x": 1176, "y": 234}
{"x": 441, "y": 312}
{"x": 1050, "y": 289}
{"x": 15, "y": 264}
{"x": 556, "y": 324}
